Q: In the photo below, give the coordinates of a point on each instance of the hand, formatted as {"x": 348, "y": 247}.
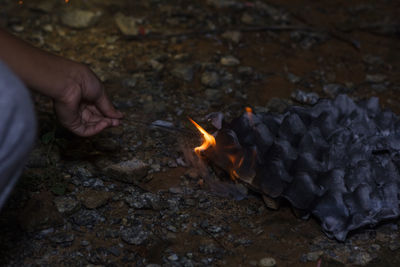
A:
{"x": 84, "y": 108}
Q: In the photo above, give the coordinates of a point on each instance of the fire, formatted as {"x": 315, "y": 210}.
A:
{"x": 209, "y": 140}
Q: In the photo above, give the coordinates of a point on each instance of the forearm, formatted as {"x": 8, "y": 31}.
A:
{"x": 39, "y": 70}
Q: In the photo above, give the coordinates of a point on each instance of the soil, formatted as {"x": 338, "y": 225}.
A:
{"x": 352, "y": 46}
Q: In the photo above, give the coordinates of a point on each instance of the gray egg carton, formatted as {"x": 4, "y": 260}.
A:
{"x": 337, "y": 160}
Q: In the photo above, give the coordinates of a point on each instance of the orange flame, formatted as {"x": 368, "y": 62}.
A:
{"x": 209, "y": 140}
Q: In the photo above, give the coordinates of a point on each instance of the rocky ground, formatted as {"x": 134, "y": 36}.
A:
{"x": 127, "y": 196}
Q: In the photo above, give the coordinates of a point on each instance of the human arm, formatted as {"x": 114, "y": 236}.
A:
{"x": 79, "y": 98}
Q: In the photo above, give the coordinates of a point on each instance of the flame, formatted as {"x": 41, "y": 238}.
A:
{"x": 209, "y": 140}
{"x": 249, "y": 112}
{"x": 66, "y": 1}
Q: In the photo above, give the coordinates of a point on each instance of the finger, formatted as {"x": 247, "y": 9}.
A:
{"x": 105, "y": 106}
{"x": 94, "y": 128}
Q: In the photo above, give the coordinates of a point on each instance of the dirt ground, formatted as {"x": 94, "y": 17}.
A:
{"x": 76, "y": 203}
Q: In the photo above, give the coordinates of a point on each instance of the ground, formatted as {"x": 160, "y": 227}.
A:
{"x": 128, "y": 195}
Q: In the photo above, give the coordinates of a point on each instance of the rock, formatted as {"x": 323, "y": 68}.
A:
{"x": 229, "y": 61}
{"x": 134, "y": 235}
{"x": 144, "y": 201}
{"x": 375, "y": 78}
{"x": 79, "y": 19}
{"x": 87, "y": 217}
{"x": 314, "y": 256}
{"x": 156, "y": 65}
{"x": 62, "y": 238}
{"x": 233, "y": 36}
{"x": 265, "y": 262}
{"x": 271, "y": 202}
{"x": 210, "y": 79}
{"x": 92, "y": 199}
{"x": 173, "y": 257}
{"x": 247, "y": 19}
{"x": 128, "y": 171}
{"x": 362, "y": 258}
{"x": 245, "y": 70}
{"x": 292, "y": 78}
{"x": 183, "y": 72}
{"x": 66, "y": 204}
{"x": 127, "y": 25}
{"x": 39, "y": 213}
{"x": 309, "y": 98}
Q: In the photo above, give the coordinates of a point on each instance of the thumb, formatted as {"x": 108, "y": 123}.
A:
{"x": 105, "y": 106}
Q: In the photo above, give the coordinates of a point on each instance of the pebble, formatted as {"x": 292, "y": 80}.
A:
{"x": 144, "y": 201}
{"x": 183, "y": 72}
{"x": 66, "y": 204}
{"x": 87, "y": 217}
{"x": 93, "y": 199}
{"x": 314, "y": 256}
{"x": 134, "y": 235}
{"x": 106, "y": 144}
{"x": 233, "y": 36}
{"x": 266, "y": 262}
{"x": 128, "y": 171}
{"x": 375, "y": 78}
{"x": 210, "y": 79}
{"x": 173, "y": 257}
{"x": 62, "y": 238}
{"x": 309, "y": 98}
{"x": 229, "y": 61}
{"x": 79, "y": 19}
{"x": 127, "y": 25}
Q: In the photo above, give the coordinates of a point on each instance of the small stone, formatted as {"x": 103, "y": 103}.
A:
{"x": 247, "y": 18}
{"x": 79, "y": 19}
{"x": 127, "y": 25}
{"x": 292, "y": 78}
{"x": 173, "y": 257}
{"x": 375, "y": 78}
{"x": 229, "y": 61}
{"x": 48, "y": 28}
{"x": 265, "y": 262}
{"x": 155, "y": 65}
{"x": 66, "y": 204}
{"x": 114, "y": 251}
{"x": 309, "y": 98}
{"x": 62, "y": 238}
{"x": 183, "y": 72}
{"x": 87, "y": 217}
{"x": 233, "y": 36}
{"x": 17, "y": 28}
{"x": 175, "y": 190}
{"x": 394, "y": 245}
{"x": 144, "y": 201}
{"x": 128, "y": 171}
{"x": 363, "y": 258}
{"x": 210, "y": 79}
{"x": 314, "y": 256}
{"x": 134, "y": 235}
{"x": 93, "y": 199}
{"x": 85, "y": 243}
